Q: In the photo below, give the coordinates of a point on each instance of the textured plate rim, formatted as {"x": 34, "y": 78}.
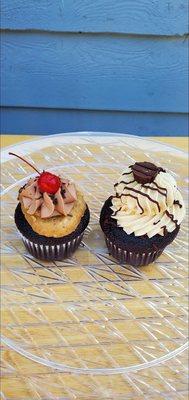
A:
{"x": 82, "y": 137}
{"x": 97, "y": 138}
{"x": 94, "y": 371}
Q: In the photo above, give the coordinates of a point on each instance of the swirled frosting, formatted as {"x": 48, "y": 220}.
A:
{"x": 150, "y": 208}
{"x": 47, "y": 205}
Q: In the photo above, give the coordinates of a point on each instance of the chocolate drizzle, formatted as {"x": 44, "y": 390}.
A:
{"x": 63, "y": 192}
{"x": 171, "y": 216}
{"x": 125, "y": 183}
{"x": 52, "y": 196}
{"x": 178, "y": 203}
{"x": 22, "y": 188}
{"x": 127, "y": 173}
{"x": 130, "y": 195}
{"x": 145, "y": 195}
{"x": 136, "y": 198}
{"x": 115, "y": 213}
{"x": 157, "y": 189}
{"x": 145, "y": 172}
{"x": 157, "y": 222}
{"x": 160, "y": 187}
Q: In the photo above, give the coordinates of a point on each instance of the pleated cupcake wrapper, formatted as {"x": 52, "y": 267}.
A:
{"x": 129, "y": 257}
{"x": 52, "y": 252}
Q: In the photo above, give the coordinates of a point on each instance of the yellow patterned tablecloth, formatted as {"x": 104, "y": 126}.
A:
{"x": 23, "y": 379}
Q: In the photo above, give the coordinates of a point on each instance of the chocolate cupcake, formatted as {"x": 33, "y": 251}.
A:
{"x": 51, "y": 216}
{"x": 144, "y": 215}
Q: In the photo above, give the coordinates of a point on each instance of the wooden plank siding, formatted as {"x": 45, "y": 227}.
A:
{"x": 94, "y": 65}
{"x": 94, "y": 72}
{"x": 143, "y": 17}
{"x": 47, "y": 121}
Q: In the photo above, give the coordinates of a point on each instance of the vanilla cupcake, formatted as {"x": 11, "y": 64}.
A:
{"x": 51, "y": 216}
{"x": 143, "y": 216}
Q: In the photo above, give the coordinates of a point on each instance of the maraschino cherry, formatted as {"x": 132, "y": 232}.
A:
{"x": 47, "y": 182}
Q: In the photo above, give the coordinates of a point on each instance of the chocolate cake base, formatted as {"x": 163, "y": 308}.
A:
{"x": 50, "y": 248}
{"x": 131, "y": 249}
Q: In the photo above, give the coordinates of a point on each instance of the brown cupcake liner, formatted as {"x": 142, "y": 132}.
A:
{"x": 132, "y": 258}
{"x": 56, "y": 252}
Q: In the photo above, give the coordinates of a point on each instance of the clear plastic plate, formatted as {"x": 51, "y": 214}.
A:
{"x": 89, "y": 314}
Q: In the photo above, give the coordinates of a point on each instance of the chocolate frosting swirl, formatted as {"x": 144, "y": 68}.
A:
{"x": 47, "y": 205}
{"x": 145, "y": 172}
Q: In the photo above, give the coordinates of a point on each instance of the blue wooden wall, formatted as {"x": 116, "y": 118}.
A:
{"x": 109, "y": 65}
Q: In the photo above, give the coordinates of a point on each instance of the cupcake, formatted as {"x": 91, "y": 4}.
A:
{"x": 51, "y": 215}
{"x": 143, "y": 216}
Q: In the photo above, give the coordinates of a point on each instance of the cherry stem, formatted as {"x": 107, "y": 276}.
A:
{"x": 27, "y": 162}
